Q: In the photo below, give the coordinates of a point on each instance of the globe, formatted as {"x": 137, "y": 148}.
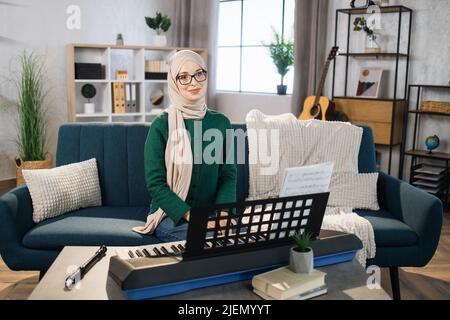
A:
{"x": 432, "y": 143}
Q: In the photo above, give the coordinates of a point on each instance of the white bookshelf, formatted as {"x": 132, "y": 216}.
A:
{"x": 112, "y": 57}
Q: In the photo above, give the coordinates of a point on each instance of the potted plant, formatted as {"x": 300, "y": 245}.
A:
{"x": 282, "y": 53}
{"x": 372, "y": 45}
{"x": 301, "y": 259}
{"x": 159, "y": 23}
{"x": 88, "y": 91}
{"x": 32, "y": 122}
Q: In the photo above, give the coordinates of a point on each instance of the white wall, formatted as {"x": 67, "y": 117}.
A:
{"x": 40, "y": 25}
{"x": 430, "y": 50}
{"x": 237, "y": 105}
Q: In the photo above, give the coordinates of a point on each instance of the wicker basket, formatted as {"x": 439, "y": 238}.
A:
{"x": 20, "y": 165}
{"x": 436, "y": 106}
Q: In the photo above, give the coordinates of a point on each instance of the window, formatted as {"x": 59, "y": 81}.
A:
{"x": 244, "y": 64}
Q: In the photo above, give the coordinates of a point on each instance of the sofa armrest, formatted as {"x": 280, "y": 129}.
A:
{"x": 16, "y": 210}
{"x": 421, "y": 211}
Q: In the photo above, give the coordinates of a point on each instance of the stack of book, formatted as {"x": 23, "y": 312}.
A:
{"x": 156, "y": 70}
{"x": 284, "y": 284}
{"x": 432, "y": 179}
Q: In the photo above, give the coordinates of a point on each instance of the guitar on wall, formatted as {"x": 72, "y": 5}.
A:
{"x": 318, "y": 107}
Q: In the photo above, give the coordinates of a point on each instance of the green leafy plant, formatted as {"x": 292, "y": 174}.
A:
{"x": 282, "y": 53}
{"x": 302, "y": 240}
{"x": 88, "y": 91}
{"x": 158, "y": 23}
{"x": 31, "y": 109}
{"x": 360, "y": 23}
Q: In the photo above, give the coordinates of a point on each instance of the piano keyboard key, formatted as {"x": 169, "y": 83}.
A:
{"x": 181, "y": 247}
{"x": 158, "y": 253}
{"x": 165, "y": 251}
{"x": 175, "y": 249}
{"x": 130, "y": 253}
{"x": 147, "y": 254}
{"x": 139, "y": 253}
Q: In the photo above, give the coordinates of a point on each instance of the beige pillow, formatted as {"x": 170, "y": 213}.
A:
{"x": 358, "y": 191}
{"x": 63, "y": 189}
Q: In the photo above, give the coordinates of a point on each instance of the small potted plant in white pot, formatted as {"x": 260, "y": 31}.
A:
{"x": 159, "y": 23}
{"x": 301, "y": 259}
{"x": 88, "y": 91}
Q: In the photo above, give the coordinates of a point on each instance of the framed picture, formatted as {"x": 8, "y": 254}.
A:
{"x": 369, "y": 83}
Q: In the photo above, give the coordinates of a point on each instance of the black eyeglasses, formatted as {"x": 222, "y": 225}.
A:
{"x": 186, "y": 79}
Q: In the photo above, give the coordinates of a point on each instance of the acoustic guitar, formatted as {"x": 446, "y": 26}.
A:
{"x": 318, "y": 107}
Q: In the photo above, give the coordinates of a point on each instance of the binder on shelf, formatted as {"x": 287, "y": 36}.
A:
{"x": 115, "y": 98}
{"x": 118, "y": 97}
{"x": 127, "y": 97}
{"x": 133, "y": 98}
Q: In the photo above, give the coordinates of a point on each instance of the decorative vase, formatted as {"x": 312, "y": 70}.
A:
{"x": 301, "y": 262}
{"x": 372, "y": 45}
{"x": 20, "y": 165}
{"x": 89, "y": 108}
{"x": 119, "y": 40}
{"x": 159, "y": 40}
{"x": 281, "y": 89}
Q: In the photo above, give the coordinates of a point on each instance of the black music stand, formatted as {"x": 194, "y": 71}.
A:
{"x": 259, "y": 224}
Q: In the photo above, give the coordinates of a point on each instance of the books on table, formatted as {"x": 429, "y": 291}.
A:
{"x": 282, "y": 284}
{"x": 305, "y": 296}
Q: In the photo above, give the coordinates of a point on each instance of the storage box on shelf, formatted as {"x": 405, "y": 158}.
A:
{"x": 137, "y": 97}
{"x": 376, "y": 114}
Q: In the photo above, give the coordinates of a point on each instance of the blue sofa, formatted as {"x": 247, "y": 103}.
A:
{"x": 407, "y": 229}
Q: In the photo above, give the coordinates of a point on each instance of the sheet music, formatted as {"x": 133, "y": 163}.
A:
{"x": 307, "y": 180}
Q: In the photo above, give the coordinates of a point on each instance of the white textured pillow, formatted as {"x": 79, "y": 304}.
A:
{"x": 357, "y": 191}
{"x": 63, "y": 189}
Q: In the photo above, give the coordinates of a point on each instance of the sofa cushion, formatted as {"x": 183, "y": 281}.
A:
{"x": 63, "y": 189}
{"x": 388, "y": 230}
{"x": 110, "y": 226}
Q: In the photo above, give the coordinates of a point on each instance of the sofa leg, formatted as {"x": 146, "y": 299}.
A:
{"x": 395, "y": 283}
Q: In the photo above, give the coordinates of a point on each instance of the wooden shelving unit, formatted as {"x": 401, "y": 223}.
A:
{"x": 112, "y": 57}
{"x": 384, "y": 116}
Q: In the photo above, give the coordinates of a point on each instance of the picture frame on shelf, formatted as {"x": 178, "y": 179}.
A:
{"x": 369, "y": 83}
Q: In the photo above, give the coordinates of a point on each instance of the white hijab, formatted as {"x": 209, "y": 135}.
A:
{"x": 178, "y": 153}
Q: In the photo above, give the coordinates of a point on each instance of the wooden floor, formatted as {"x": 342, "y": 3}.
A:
{"x": 431, "y": 282}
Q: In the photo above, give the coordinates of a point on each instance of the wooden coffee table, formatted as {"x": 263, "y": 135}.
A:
{"x": 345, "y": 281}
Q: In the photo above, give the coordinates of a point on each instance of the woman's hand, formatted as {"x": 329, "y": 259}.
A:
{"x": 187, "y": 216}
{"x": 222, "y": 223}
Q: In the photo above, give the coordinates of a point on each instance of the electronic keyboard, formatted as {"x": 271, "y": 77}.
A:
{"x": 256, "y": 239}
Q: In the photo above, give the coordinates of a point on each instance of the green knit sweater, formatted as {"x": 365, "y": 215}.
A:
{"x": 210, "y": 183}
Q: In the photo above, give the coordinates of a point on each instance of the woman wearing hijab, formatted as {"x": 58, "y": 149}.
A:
{"x": 174, "y": 181}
